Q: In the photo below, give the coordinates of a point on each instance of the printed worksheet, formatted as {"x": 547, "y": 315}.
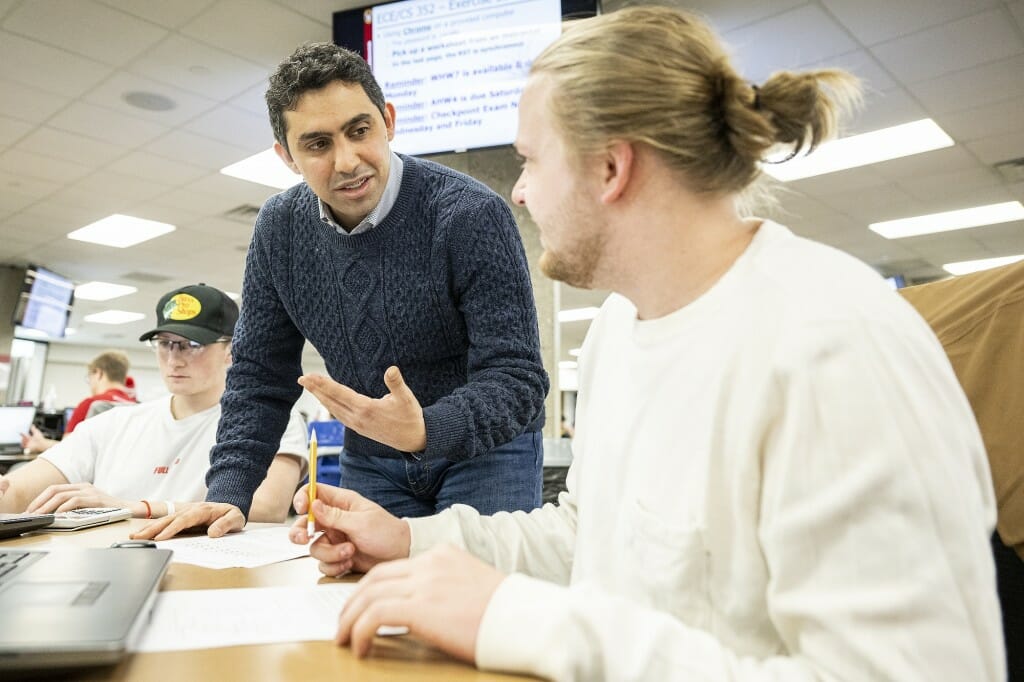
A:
{"x": 247, "y": 549}
{"x": 208, "y": 619}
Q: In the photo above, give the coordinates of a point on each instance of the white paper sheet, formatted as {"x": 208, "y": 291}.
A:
{"x": 247, "y": 549}
{"x": 207, "y": 619}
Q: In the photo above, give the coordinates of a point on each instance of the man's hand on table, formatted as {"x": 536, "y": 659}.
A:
{"x": 219, "y": 518}
{"x": 440, "y": 595}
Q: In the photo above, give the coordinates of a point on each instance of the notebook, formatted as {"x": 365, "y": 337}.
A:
{"x": 75, "y": 607}
{"x": 14, "y": 421}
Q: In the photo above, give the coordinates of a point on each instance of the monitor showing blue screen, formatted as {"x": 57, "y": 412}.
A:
{"x": 45, "y": 302}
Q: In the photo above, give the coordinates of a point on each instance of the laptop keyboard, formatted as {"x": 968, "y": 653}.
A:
{"x": 13, "y": 562}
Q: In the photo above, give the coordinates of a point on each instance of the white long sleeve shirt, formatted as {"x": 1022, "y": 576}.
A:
{"x": 780, "y": 481}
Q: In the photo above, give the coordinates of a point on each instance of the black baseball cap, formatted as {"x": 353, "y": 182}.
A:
{"x": 198, "y": 312}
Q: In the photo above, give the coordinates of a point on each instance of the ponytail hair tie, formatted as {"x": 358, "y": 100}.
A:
{"x": 757, "y": 97}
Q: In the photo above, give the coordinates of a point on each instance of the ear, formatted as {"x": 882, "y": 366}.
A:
{"x": 618, "y": 166}
{"x": 389, "y": 119}
{"x": 286, "y": 157}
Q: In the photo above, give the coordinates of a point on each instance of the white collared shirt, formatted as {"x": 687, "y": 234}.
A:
{"x": 380, "y": 211}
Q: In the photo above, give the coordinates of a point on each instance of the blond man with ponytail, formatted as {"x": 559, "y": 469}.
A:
{"x": 776, "y": 474}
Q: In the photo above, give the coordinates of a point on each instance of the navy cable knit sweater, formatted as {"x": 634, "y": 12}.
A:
{"x": 440, "y": 288}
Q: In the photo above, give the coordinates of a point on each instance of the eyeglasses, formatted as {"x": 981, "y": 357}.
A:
{"x": 188, "y": 348}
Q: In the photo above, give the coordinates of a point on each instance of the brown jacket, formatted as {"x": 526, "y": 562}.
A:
{"x": 979, "y": 318}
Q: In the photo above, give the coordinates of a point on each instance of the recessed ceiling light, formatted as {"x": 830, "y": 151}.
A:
{"x": 150, "y": 101}
{"x": 860, "y": 150}
{"x": 577, "y": 314}
{"x": 264, "y": 168}
{"x": 120, "y": 231}
{"x": 574, "y": 352}
{"x": 114, "y": 317}
{"x": 102, "y": 291}
{"x": 990, "y": 214}
{"x": 968, "y": 266}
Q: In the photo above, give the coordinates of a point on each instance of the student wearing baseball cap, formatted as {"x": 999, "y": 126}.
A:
{"x": 153, "y": 457}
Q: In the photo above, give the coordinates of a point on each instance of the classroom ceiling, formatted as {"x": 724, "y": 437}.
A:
{"x": 73, "y": 150}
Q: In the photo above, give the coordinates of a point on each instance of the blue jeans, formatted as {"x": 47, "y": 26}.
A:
{"x": 505, "y": 479}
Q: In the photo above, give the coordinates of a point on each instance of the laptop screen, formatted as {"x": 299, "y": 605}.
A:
{"x": 15, "y": 421}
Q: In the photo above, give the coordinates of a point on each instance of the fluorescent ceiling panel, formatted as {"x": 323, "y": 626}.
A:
{"x": 102, "y": 291}
{"x": 861, "y": 150}
{"x": 114, "y": 317}
{"x": 990, "y": 214}
{"x": 969, "y": 266}
{"x": 265, "y": 168}
{"x": 120, "y": 231}
{"x": 577, "y": 314}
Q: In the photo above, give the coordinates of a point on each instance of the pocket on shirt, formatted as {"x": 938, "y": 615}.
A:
{"x": 670, "y": 564}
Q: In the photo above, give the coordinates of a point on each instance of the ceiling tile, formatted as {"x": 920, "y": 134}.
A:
{"x": 28, "y": 103}
{"x": 884, "y": 109}
{"x": 119, "y": 186}
{"x": 29, "y": 187}
{"x": 157, "y": 168}
{"x": 973, "y": 87}
{"x": 110, "y": 94}
{"x": 198, "y": 68}
{"x": 13, "y": 202}
{"x": 955, "y": 158}
{"x": 261, "y": 31}
{"x": 63, "y": 145}
{"x": 874, "y": 21}
{"x": 874, "y": 79}
{"x": 47, "y": 68}
{"x": 806, "y": 35}
{"x": 957, "y": 185}
{"x": 196, "y": 149}
{"x": 1017, "y": 10}
{"x": 29, "y": 165}
{"x": 822, "y": 186}
{"x": 252, "y": 100}
{"x": 85, "y": 28}
{"x": 12, "y": 130}
{"x": 978, "y": 39}
{"x": 726, "y": 15}
{"x": 235, "y": 126}
{"x": 167, "y": 14}
{"x": 100, "y": 123}
{"x": 984, "y": 121}
{"x": 992, "y": 150}
{"x": 321, "y": 10}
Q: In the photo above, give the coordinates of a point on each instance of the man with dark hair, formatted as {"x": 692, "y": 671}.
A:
{"x": 411, "y": 281}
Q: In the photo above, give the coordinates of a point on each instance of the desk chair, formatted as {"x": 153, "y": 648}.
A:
{"x": 979, "y": 318}
{"x": 101, "y": 406}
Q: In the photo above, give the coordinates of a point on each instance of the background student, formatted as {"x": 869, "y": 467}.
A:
{"x": 759, "y": 491}
{"x": 153, "y": 457}
{"x": 107, "y": 375}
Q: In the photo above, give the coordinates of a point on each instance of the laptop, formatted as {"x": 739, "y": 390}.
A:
{"x": 14, "y": 421}
{"x": 75, "y": 607}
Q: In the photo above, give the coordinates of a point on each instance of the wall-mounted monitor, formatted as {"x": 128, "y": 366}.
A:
{"x": 454, "y": 69}
{"x": 44, "y": 304}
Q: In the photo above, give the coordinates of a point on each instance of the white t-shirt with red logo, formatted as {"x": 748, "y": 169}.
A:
{"x": 143, "y": 452}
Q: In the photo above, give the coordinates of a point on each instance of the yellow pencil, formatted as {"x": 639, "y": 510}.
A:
{"x": 310, "y": 524}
